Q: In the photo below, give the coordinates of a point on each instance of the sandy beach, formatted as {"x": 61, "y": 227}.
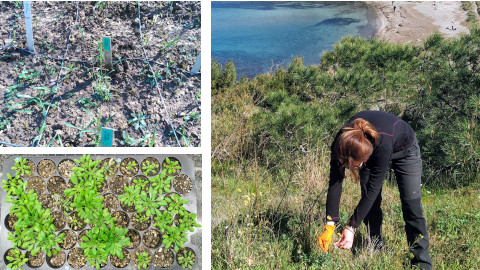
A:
{"x": 413, "y": 22}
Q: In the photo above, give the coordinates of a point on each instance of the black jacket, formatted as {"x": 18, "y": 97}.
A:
{"x": 394, "y": 135}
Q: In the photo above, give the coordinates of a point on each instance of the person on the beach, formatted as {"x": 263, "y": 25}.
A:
{"x": 366, "y": 145}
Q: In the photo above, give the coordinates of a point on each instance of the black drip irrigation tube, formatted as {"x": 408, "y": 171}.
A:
{"x": 88, "y": 61}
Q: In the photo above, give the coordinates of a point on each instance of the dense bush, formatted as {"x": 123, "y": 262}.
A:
{"x": 277, "y": 117}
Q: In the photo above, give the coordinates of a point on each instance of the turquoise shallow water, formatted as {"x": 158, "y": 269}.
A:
{"x": 262, "y": 36}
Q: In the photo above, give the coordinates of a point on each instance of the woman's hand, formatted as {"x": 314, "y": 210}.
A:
{"x": 346, "y": 240}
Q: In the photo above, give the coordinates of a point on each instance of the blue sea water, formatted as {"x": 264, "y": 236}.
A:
{"x": 262, "y": 36}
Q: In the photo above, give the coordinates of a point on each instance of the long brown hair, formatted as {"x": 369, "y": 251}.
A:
{"x": 355, "y": 145}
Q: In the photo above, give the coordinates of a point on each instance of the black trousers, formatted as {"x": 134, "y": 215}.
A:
{"x": 407, "y": 165}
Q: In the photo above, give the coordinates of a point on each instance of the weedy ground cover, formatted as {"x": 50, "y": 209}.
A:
{"x": 125, "y": 95}
{"x": 105, "y": 233}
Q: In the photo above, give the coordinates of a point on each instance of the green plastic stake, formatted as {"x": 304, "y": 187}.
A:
{"x": 107, "y": 137}
{"x": 107, "y": 52}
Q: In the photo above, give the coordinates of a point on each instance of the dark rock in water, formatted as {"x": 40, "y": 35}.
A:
{"x": 338, "y": 21}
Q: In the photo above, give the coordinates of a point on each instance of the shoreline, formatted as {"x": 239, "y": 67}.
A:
{"x": 413, "y": 22}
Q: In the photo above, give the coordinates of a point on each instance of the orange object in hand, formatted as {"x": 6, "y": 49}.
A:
{"x": 325, "y": 238}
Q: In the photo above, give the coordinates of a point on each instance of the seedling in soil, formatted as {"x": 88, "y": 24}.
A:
{"x": 152, "y": 78}
{"x": 176, "y": 204}
{"x": 186, "y": 259}
{"x": 131, "y": 166}
{"x": 163, "y": 220}
{"x": 150, "y": 167}
{"x": 188, "y": 221}
{"x": 21, "y": 167}
{"x": 138, "y": 120}
{"x": 172, "y": 166}
{"x": 161, "y": 184}
{"x": 143, "y": 260}
{"x": 129, "y": 140}
{"x": 174, "y": 236}
{"x": 17, "y": 260}
{"x": 98, "y": 126}
{"x": 132, "y": 194}
{"x": 140, "y": 219}
{"x": 150, "y": 202}
{"x": 140, "y": 183}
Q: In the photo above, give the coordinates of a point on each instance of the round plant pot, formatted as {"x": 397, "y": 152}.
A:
{"x": 76, "y": 258}
{"x": 9, "y": 254}
{"x": 56, "y": 185}
{"x": 129, "y": 167}
{"x": 121, "y": 263}
{"x": 172, "y": 160}
{"x": 69, "y": 240}
{"x": 110, "y": 166}
{"x": 59, "y": 220}
{"x": 117, "y": 184}
{"x": 164, "y": 257}
{"x": 184, "y": 251}
{"x": 122, "y": 219}
{"x": 110, "y": 202}
{"x": 35, "y": 261}
{"x": 82, "y": 234}
{"x": 135, "y": 238}
{"x": 47, "y": 201}
{"x": 140, "y": 225}
{"x": 10, "y": 220}
{"x": 65, "y": 168}
{"x": 144, "y": 179}
{"x": 182, "y": 184}
{"x": 31, "y": 164}
{"x": 37, "y": 184}
{"x": 149, "y": 161}
{"x": 129, "y": 209}
{"x": 75, "y": 222}
{"x": 46, "y": 168}
{"x": 57, "y": 261}
{"x": 137, "y": 253}
{"x": 152, "y": 238}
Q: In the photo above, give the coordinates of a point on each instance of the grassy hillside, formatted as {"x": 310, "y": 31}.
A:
{"x": 270, "y": 152}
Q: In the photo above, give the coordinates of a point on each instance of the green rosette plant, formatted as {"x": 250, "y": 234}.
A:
{"x": 174, "y": 236}
{"x": 161, "y": 183}
{"x": 21, "y": 167}
{"x": 17, "y": 261}
{"x": 172, "y": 167}
{"x": 163, "y": 219}
{"x": 186, "y": 259}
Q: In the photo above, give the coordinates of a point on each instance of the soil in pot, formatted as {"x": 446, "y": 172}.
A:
{"x": 140, "y": 221}
{"x": 65, "y": 168}
{"x": 128, "y": 209}
{"x": 8, "y": 253}
{"x": 10, "y": 220}
{"x": 144, "y": 180}
{"x": 35, "y": 261}
{"x": 110, "y": 166}
{"x": 69, "y": 240}
{"x": 75, "y": 222}
{"x": 121, "y": 263}
{"x": 102, "y": 187}
{"x": 136, "y": 254}
{"x": 58, "y": 260}
{"x": 152, "y": 238}
{"x": 47, "y": 201}
{"x": 31, "y": 164}
{"x": 110, "y": 202}
{"x": 129, "y": 167}
{"x": 37, "y": 184}
{"x": 172, "y": 159}
{"x": 163, "y": 257}
{"x": 82, "y": 234}
{"x": 117, "y": 184}
{"x": 134, "y": 238}
{"x": 186, "y": 250}
{"x": 62, "y": 203}
{"x": 56, "y": 185}
{"x": 59, "y": 220}
{"x": 76, "y": 258}
{"x": 153, "y": 163}
{"x": 46, "y": 168}
{"x": 182, "y": 184}
{"x": 122, "y": 219}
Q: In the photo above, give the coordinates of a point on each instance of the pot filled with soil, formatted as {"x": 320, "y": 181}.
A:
{"x": 30, "y": 172}
{"x": 110, "y": 166}
{"x": 164, "y": 257}
{"x": 122, "y": 219}
{"x": 129, "y": 167}
{"x": 35, "y": 261}
{"x": 56, "y": 185}
{"x": 58, "y": 260}
{"x": 65, "y": 168}
{"x": 182, "y": 184}
{"x": 10, "y": 222}
{"x": 186, "y": 258}
{"x": 135, "y": 238}
{"x": 75, "y": 222}
{"x": 47, "y": 200}
{"x": 172, "y": 166}
{"x": 150, "y": 166}
{"x": 117, "y": 184}
{"x": 121, "y": 263}
{"x": 110, "y": 202}
{"x": 141, "y": 180}
{"x": 141, "y": 257}
{"x": 59, "y": 220}
{"x": 69, "y": 240}
{"x": 152, "y": 238}
{"x": 46, "y": 168}
{"x": 140, "y": 221}
{"x": 76, "y": 258}
{"x": 37, "y": 184}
